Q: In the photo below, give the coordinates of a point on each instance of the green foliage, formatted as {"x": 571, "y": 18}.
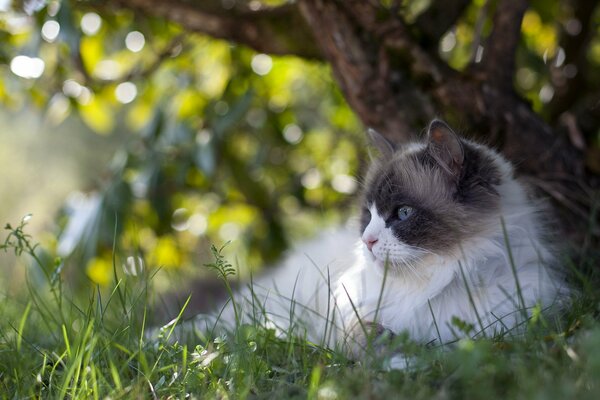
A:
{"x": 17, "y": 239}
{"x": 221, "y": 266}
{"x": 223, "y": 144}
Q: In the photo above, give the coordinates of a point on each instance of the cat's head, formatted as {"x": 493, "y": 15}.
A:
{"x": 425, "y": 199}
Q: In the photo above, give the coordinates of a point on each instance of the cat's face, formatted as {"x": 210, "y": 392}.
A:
{"x": 425, "y": 199}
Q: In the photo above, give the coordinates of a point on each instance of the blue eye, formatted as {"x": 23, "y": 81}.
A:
{"x": 405, "y": 212}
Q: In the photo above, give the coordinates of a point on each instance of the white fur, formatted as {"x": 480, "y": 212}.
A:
{"x": 322, "y": 286}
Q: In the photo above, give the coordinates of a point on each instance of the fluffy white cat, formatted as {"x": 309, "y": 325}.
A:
{"x": 446, "y": 232}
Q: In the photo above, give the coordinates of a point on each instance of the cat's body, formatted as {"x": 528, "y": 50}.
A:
{"x": 446, "y": 231}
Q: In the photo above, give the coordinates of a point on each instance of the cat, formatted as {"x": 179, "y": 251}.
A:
{"x": 446, "y": 233}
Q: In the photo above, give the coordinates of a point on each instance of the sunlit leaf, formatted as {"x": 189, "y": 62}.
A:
{"x": 98, "y": 115}
{"x": 139, "y": 115}
{"x": 92, "y": 51}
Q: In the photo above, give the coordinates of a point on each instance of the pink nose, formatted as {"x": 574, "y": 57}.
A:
{"x": 370, "y": 242}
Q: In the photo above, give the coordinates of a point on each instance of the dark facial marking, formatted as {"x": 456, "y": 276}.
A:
{"x": 447, "y": 208}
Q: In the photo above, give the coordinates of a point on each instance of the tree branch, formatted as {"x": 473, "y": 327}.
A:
{"x": 498, "y": 62}
{"x": 438, "y": 18}
{"x": 279, "y": 30}
{"x": 373, "y": 64}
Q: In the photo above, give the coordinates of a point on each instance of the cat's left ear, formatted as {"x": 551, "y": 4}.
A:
{"x": 445, "y": 147}
{"x": 385, "y": 147}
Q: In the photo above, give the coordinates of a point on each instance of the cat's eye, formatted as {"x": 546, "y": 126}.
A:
{"x": 405, "y": 212}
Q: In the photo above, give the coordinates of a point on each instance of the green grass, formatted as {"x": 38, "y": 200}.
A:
{"x": 58, "y": 345}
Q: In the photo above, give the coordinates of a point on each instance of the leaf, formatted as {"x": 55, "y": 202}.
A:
{"x": 240, "y": 107}
{"x": 139, "y": 115}
{"x": 92, "y": 51}
{"x": 69, "y": 33}
{"x": 98, "y": 115}
{"x": 222, "y": 267}
{"x": 206, "y": 159}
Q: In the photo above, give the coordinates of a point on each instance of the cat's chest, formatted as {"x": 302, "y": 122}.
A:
{"x": 367, "y": 292}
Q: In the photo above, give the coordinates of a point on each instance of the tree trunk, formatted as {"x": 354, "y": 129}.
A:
{"x": 396, "y": 85}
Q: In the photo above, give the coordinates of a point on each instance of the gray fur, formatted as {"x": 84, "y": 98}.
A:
{"x": 445, "y": 148}
{"x": 450, "y": 182}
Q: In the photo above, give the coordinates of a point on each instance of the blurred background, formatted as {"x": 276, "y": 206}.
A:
{"x": 133, "y": 143}
{"x": 122, "y": 136}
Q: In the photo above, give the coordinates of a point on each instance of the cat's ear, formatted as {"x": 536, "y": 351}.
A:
{"x": 385, "y": 147}
{"x": 445, "y": 147}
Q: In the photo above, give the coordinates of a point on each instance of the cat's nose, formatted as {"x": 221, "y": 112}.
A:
{"x": 370, "y": 242}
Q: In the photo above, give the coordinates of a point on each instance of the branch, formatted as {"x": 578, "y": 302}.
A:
{"x": 438, "y": 18}
{"x": 374, "y": 62}
{"x": 499, "y": 49}
{"x": 279, "y": 30}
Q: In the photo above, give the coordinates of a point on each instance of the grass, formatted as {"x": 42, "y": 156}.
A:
{"x": 57, "y": 345}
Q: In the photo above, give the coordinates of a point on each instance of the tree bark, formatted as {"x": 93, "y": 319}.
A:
{"x": 280, "y": 30}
